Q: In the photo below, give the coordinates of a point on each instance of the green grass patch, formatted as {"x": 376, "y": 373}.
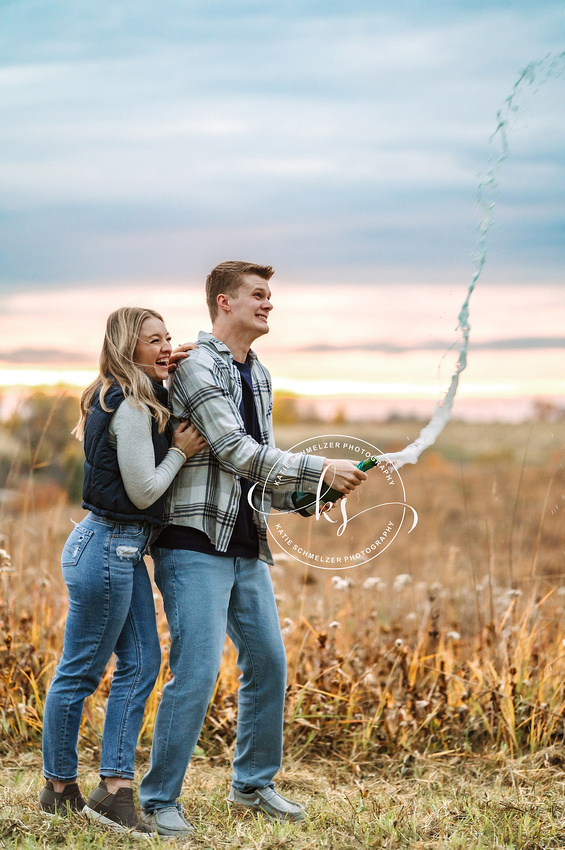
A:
{"x": 423, "y": 802}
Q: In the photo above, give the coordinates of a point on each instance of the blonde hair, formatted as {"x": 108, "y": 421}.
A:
{"x": 117, "y": 366}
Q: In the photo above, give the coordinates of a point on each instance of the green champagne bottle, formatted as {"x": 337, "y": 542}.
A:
{"x": 305, "y": 503}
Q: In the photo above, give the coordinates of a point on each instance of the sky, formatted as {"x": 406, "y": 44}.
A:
{"x": 343, "y": 142}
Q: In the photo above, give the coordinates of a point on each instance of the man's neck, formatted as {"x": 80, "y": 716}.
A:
{"x": 238, "y": 346}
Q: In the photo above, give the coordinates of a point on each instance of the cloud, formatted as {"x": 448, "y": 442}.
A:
{"x": 51, "y": 356}
{"x": 56, "y": 356}
{"x": 511, "y": 344}
{"x": 317, "y": 134}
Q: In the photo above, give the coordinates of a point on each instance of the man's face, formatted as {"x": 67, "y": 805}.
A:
{"x": 251, "y": 305}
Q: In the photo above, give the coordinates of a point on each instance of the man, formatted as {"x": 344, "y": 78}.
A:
{"x": 211, "y": 562}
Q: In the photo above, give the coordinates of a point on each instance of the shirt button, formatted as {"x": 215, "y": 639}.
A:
{"x": 236, "y": 477}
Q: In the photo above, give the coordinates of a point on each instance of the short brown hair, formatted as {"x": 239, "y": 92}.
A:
{"x": 227, "y": 278}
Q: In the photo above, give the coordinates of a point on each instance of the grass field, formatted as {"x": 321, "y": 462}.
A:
{"x": 426, "y": 697}
{"x": 440, "y": 801}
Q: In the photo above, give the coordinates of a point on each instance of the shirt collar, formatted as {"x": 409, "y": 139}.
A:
{"x": 204, "y": 336}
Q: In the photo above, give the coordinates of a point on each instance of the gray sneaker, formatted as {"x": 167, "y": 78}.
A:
{"x": 271, "y": 804}
{"x": 169, "y": 821}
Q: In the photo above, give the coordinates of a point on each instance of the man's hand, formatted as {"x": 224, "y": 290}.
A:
{"x": 342, "y": 475}
{"x": 179, "y": 354}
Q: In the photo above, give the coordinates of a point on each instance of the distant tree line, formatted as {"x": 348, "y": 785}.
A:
{"x": 38, "y": 442}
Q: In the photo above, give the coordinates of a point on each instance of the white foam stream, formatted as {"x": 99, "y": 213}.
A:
{"x": 550, "y": 66}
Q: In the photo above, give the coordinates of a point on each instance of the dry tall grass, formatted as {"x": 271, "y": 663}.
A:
{"x": 451, "y": 641}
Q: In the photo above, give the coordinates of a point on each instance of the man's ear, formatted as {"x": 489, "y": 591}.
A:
{"x": 223, "y": 302}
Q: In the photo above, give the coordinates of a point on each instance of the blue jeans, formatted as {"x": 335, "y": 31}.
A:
{"x": 111, "y": 609}
{"x": 205, "y": 596}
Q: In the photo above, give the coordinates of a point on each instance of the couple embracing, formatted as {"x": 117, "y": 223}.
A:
{"x": 184, "y": 492}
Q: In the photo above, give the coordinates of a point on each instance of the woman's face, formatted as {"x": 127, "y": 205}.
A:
{"x": 153, "y": 349}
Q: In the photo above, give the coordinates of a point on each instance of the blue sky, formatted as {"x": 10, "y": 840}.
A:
{"x": 143, "y": 142}
{"x": 335, "y": 140}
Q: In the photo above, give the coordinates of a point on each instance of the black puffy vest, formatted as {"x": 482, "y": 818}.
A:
{"x": 103, "y": 491}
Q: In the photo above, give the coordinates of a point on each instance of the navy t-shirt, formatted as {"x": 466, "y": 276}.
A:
{"x": 244, "y": 541}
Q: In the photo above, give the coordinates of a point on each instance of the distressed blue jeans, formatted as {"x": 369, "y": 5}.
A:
{"x": 206, "y": 596}
{"x": 111, "y": 610}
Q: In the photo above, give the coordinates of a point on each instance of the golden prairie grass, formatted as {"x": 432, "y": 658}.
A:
{"x": 450, "y": 642}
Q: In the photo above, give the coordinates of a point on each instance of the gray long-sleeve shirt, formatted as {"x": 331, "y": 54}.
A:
{"x": 130, "y": 434}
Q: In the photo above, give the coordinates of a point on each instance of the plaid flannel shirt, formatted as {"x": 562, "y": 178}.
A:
{"x": 206, "y": 389}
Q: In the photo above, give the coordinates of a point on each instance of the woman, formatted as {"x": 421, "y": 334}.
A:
{"x": 131, "y": 458}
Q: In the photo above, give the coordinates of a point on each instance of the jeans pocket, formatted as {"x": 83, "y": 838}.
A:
{"x": 124, "y": 529}
{"x": 75, "y": 546}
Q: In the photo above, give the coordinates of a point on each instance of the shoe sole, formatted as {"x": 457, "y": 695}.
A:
{"x": 98, "y": 818}
{"x": 180, "y": 833}
{"x": 250, "y": 808}
{"x": 172, "y": 836}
